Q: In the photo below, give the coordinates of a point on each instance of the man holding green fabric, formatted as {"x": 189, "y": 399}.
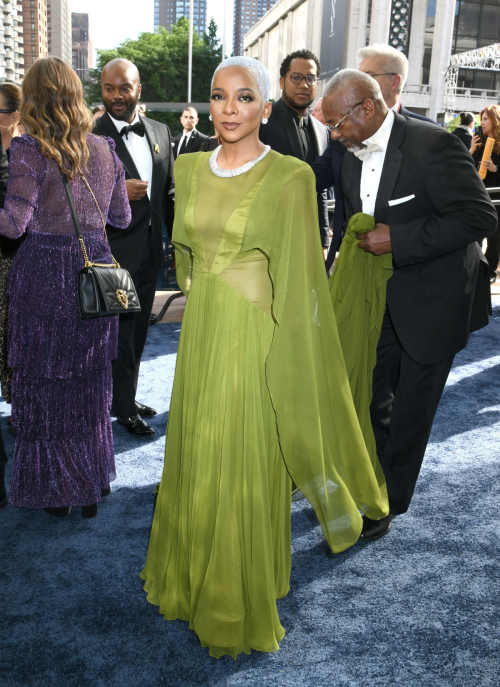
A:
{"x": 429, "y": 221}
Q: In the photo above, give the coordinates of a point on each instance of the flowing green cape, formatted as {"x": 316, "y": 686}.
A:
{"x": 358, "y": 288}
{"x": 317, "y": 425}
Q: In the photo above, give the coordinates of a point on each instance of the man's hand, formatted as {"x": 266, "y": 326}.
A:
{"x": 325, "y": 254}
{"x": 376, "y": 241}
{"x": 136, "y": 189}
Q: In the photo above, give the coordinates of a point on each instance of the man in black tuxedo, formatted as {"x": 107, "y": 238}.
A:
{"x": 190, "y": 139}
{"x": 398, "y": 170}
{"x": 389, "y": 68}
{"x": 145, "y": 149}
{"x": 290, "y": 129}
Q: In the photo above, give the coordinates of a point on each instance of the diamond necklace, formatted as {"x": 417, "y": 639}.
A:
{"x": 227, "y": 173}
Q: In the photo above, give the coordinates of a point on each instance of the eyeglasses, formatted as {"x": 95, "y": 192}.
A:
{"x": 297, "y": 78}
{"x": 331, "y": 128}
{"x": 7, "y": 111}
{"x": 382, "y": 74}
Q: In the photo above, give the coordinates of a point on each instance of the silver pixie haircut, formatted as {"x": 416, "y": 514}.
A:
{"x": 257, "y": 68}
{"x": 395, "y": 60}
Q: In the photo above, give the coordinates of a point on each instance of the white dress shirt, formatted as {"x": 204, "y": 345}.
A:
{"x": 372, "y": 166}
{"x": 139, "y": 150}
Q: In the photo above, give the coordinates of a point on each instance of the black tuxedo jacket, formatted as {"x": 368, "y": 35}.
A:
{"x": 437, "y": 208}
{"x": 413, "y": 115}
{"x": 327, "y": 171}
{"x": 128, "y": 246}
{"x": 280, "y": 133}
{"x": 193, "y": 145}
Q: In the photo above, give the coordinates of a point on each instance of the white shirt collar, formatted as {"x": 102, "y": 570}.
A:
{"x": 382, "y": 135}
{"x": 120, "y": 123}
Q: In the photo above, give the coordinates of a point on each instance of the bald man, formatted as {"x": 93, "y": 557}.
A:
{"x": 145, "y": 149}
{"x": 431, "y": 210}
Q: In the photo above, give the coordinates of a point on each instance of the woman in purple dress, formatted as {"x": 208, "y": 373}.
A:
{"x": 61, "y": 385}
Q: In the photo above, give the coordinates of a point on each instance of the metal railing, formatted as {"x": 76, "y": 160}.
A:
{"x": 494, "y": 189}
{"x": 480, "y": 93}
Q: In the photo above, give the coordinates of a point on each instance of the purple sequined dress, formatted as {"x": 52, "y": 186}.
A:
{"x": 61, "y": 386}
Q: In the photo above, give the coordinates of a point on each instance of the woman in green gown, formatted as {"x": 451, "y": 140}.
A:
{"x": 260, "y": 395}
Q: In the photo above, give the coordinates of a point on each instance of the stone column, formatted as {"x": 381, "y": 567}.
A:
{"x": 380, "y": 21}
{"x": 417, "y": 37}
{"x": 355, "y": 31}
{"x": 441, "y": 53}
{"x": 315, "y": 19}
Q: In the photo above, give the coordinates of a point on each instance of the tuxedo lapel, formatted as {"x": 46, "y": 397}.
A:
{"x": 290, "y": 130}
{"x": 392, "y": 166}
{"x": 351, "y": 180}
{"x": 191, "y": 143}
{"x": 106, "y": 126}
{"x": 156, "y": 153}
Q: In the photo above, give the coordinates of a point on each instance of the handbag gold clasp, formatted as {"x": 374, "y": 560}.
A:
{"x": 122, "y": 298}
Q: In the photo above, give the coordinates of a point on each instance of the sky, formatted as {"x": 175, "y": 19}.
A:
{"x": 113, "y": 21}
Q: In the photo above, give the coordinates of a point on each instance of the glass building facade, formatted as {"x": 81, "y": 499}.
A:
{"x": 168, "y": 12}
{"x": 246, "y": 14}
{"x": 477, "y": 24}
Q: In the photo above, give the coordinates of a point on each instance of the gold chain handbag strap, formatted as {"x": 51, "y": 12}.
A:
{"x": 84, "y": 250}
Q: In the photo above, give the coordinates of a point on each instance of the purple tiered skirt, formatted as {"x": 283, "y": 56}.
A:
{"x": 61, "y": 385}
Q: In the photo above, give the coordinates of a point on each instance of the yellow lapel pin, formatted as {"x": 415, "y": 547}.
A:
{"x": 157, "y": 148}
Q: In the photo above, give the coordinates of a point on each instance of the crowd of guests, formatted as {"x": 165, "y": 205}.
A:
{"x": 284, "y": 382}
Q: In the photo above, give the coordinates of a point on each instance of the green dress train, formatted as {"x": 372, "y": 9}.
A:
{"x": 260, "y": 397}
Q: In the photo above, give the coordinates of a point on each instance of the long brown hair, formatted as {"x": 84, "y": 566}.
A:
{"x": 493, "y": 113}
{"x": 13, "y": 98}
{"x": 55, "y": 114}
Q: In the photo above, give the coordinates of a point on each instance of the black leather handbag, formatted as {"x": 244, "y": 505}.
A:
{"x": 102, "y": 290}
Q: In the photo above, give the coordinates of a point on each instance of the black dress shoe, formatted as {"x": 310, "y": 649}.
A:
{"x": 145, "y": 411}
{"x": 89, "y": 511}
{"x": 58, "y": 512}
{"x": 4, "y": 501}
{"x": 136, "y": 425}
{"x": 374, "y": 529}
{"x": 105, "y": 492}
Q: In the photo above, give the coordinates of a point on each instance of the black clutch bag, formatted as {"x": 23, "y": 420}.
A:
{"x": 102, "y": 290}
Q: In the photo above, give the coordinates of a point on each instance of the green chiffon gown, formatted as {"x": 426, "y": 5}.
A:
{"x": 260, "y": 397}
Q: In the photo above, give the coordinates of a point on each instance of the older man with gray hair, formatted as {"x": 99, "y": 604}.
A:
{"x": 389, "y": 67}
{"x": 397, "y": 169}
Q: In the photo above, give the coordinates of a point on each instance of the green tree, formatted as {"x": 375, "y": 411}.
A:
{"x": 162, "y": 60}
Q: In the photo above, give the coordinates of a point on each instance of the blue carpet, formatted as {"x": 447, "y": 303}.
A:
{"x": 417, "y": 608}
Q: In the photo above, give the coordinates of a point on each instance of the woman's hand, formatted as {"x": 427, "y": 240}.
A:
{"x": 488, "y": 164}
{"x": 476, "y": 143}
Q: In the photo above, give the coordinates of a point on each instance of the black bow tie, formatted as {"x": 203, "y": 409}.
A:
{"x": 137, "y": 128}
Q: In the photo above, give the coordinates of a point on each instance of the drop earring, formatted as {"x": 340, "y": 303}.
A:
{"x": 210, "y": 118}
{"x": 265, "y": 120}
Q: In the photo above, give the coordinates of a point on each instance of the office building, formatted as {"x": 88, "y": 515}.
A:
{"x": 34, "y": 31}
{"x": 168, "y": 13}
{"x": 11, "y": 41}
{"x": 59, "y": 29}
{"x": 81, "y": 45}
{"x": 246, "y": 14}
{"x": 429, "y": 32}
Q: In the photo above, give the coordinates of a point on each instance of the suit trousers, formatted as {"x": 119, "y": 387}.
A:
{"x": 493, "y": 250}
{"x": 132, "y": 335}
{"x": 404, "y": 402}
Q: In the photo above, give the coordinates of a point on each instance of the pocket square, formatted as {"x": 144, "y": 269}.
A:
{"x": 398, "y": 201}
